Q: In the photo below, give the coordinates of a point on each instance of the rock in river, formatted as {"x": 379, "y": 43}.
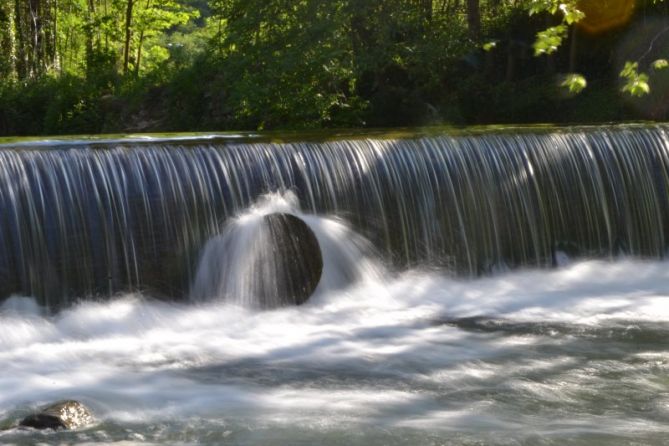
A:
{"x": 67, "y": 414}
{"x": 291, "y": 268}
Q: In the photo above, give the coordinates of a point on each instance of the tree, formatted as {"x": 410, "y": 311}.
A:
{"x": 152, "y": 19}
{"x": 128, "y": 35}
{"x": 7, "y": 40}
{"x": 474, "y": 19}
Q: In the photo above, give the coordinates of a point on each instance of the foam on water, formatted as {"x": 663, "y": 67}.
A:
{"x": 387, "y": 352}
{"x": 576, "y": 354}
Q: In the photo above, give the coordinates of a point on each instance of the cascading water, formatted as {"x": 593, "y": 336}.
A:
{"x": 434, "y": 322}
{"x": 233, "y": 266}
{"x": 92, "y": 220}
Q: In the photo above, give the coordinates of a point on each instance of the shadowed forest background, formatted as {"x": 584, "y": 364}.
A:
{"x": 103, "y": 66}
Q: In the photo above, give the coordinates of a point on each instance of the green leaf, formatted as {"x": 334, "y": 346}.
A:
{"x": 489, "y": 46}
{"x": 538, "y": 6}
{"x": 575, "y": 83}
{"x": 549, "y": 40}
{"x": 660, "y": 64}
{"x": 636, "y": 83}
{"x": 571, "y": 13}
{"x": 637, "y": 88}
{"x": 629, "y": 70}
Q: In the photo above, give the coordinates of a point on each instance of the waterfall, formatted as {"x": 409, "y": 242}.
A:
{"x": 85, "y": 218}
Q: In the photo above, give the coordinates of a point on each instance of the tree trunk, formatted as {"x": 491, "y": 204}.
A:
{"x": 7, "y": 42}
{"x": 48, "y": 15}
{"x": 550, "y": 58}
{"x": 573, "y": 50}
{"x": 427, "y": 10}
{"x": 510, "y": 62}
{"x": 106, "y": 12}
{"x": 56, "y": 54}
{"x": 141, "y": 43}
{"x": 128, "y": 36}
{"x": 22, "y": 39}
{"x": 37, "y": 53}
{"x": 474, "y": 19}
{"x": 89, "y": 34}
{"x": 139, "y": 53}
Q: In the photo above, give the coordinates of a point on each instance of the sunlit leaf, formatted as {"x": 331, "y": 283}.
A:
{"x": 636, "y": 83}
{"x": 575, "y": 83}
{"x": 660, "y": 64}
{"x": 549, "y": 40}
{"x": 630, "y": 69}
{"x": 489, "y": 46}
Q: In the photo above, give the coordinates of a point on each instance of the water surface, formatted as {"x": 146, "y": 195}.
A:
{"x": 578, "y": 355}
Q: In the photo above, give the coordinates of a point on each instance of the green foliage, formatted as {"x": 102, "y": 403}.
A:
{"x": 269, "y": 64}
{"x": 286, "y": 63}
{"x": 636, "y": 83}
{"x": 6, "y": 40}
{"x": 489, "y": 46}
{"x": 569, "y": 9}
{"x": 660, "y": 64}
{"x": 549, "y": 40}
{"x": 574, "y": 82}
{"x": 149, "y": 29}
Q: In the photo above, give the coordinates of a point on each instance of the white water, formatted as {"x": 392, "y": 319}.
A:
{"x": 227, "y": 267}
{"x": 577, "y": 355}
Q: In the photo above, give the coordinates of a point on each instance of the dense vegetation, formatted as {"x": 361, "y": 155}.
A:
{"x": 89, "y": 66}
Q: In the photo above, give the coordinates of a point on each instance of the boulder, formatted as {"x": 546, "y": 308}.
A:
{"x": 292, "y": 264}
{"x": 61, "y": 415}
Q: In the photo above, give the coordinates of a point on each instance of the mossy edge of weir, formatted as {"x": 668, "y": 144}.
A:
{"x": 295, "y": 136}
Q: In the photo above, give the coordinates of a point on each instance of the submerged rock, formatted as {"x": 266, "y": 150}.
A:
{"x": 260, "y": 261}
{"x": 61, "y": 415}
{"x": 292, "y": 264}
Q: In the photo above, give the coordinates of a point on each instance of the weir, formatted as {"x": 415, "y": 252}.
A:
{"x": 85, "y": 218}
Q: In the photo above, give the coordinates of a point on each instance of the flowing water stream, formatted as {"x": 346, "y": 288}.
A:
{"x": 503, "y": 289}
